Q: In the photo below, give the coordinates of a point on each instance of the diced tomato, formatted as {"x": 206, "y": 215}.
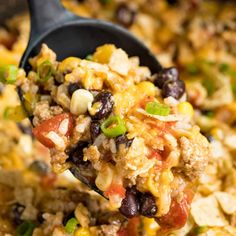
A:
{"x": 115, "y": 189}
{"x": 155, "y": 154}
{"x": 48, "y": 180}
{"x": 160, "y": 155}
{"x": 122, "y": 232}
{"x": 163, "y": 127}
{"x": 132, "y": 228}
{"x": 189, "y": 194}
{"x": 52, "y": 124}
{"x": 177, "y": 215}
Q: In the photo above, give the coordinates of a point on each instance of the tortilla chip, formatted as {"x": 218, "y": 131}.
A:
{"x": 206, "y": 211}
{"x": 227, "y": 202}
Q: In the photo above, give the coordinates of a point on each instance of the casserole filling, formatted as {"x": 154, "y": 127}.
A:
{"x": 127, "y": 131}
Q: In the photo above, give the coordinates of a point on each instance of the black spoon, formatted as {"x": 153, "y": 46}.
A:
{"x": 71, "y": 35}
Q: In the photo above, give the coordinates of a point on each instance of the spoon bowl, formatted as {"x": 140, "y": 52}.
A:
{"x": 70, "y": 35}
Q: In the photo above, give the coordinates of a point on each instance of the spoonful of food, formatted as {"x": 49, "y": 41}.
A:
{"x": 70, "y": 35}
{"x": 94, "y": 101}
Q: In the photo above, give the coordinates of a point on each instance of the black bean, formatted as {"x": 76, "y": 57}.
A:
{"x": 39, "y": 167}
{"x": 125, "y": 15}
{"x": 122, "y": 139}
{"x": 40, "y": 217}
{"x": 76, "y": 153}
{"x": 42, "y": 90}
{"x": 172, "y": 2}
{"x": 167, "y": 74}
{"x": 130, "y": 205}
{"x": 26, "y": 129}
{"x": 148, "y": 206}
{"x": 73, "y": 87}
{"x": 174, "y": 89}
{"x": 94, "y": 129}
{"x": 16, "y": 212}
{"x": 105, "y": 105}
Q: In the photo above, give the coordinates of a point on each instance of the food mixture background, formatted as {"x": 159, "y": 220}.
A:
{"x": 199, "y": 37}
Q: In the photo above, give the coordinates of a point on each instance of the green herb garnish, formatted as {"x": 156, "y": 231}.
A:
{"x": 89, "y": 57}
{"x": 25, "y": 229}
{"x": 44, "y": 71}
{"x": 192, "y": 69}
{"x": 16, "y": 113}
{"x": 200, "y": 229}
{"x": 155, "y": 108}
{"x": 113, "y": 127}
{"x": 8, "y": 74}
{"x": 104, "y": 2}
{"x": 71, "y": 225}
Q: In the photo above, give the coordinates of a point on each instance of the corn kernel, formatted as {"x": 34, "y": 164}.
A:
{"x": 103, "y": 53}
{"x": 69, "y": 64}
{"x": 150, "y": 226}
{"x": 185, "y": 108}
{"x": 217, "y": 133}
{"x": 80, "y": 101}
{"x": 152, "y": 185}
{"x": 16, "y": 113}
{"x": 16, "y": 162}
{"x": 166, "y": 177}
{"x": 147, "y": 88}
{"x": 30, "y": 101}
{"x": 58, "y": 231}
{"x": 62, "y": 97}
{"x": 82, "y": 215}
{"x": 95, "y": 108}
{"x": 104, "y": 178}
{"x": 164, "y": 200}
{"x": 82, "y": 232}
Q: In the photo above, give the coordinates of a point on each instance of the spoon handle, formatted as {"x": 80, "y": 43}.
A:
{"x": 46, "y": 13}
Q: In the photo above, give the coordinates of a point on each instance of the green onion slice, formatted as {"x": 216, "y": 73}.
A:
{"x": 155, "y": 108}
{"x": 8, "y": 74}
{"x": 44, "y": 71}
{"x": 16, "y": 113}
{"x": 209, "y": 114}
{"x": 89, "y": 57}
{"x": 114, "y": 126}
{"x": 25, "y": 229}
{"x": 234, "y": 88}
{"x": 71, "y": 225}
{"x": 200, "y": 229}
{"x": 105, "y": 1}
{"x": 209, "y": 85}
{"x": 192, "y": 69}
{"x": 224, "y": 67}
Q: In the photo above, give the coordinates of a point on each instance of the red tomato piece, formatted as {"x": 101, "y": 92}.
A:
{"x": 155, "y": 154}
{"x": 122, "y": 232}
{"x": 115, "y": 189}
{"x": 177, "y": 215}
{"x": 133, "y": 226}
{"x": 48, "y": 180}
{"x": 52, "y": 124}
